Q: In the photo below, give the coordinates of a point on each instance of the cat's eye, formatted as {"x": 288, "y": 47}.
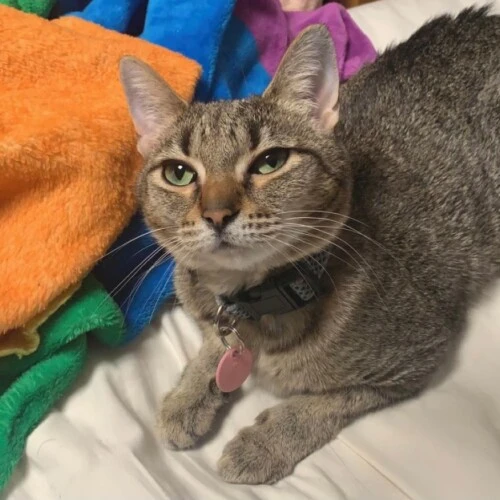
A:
{"x": 178, "y": 173}
{"x": 269, "y": 161}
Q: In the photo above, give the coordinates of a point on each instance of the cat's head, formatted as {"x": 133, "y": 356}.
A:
{"x": 246, "y": 184}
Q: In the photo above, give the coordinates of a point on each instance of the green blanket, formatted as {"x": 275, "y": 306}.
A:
{"x": 30, "y": 386}
{"x": 39, "y": 7}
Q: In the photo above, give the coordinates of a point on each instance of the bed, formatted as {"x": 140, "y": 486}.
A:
{"x": 99, "y": 443}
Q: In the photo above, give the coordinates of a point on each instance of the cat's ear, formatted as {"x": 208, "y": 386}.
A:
{"x": 308, "y": 76}
{"x": 153, "y": 105}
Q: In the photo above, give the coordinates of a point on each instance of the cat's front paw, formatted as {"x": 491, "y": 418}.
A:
{"x": 184, "y": 418}
{"x": 254, "y": 456}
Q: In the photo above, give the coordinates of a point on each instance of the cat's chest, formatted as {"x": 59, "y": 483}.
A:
{"x": 307, "y": 365}
{"x": 296, "y": 371}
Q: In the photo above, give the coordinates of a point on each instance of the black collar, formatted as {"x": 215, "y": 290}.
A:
{"x": 287, "y": 290}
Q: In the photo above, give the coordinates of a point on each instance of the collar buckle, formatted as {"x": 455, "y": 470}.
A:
{"x": 276, "y": 296}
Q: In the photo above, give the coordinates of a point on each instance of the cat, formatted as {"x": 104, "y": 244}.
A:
{"x": 394, "y": 176}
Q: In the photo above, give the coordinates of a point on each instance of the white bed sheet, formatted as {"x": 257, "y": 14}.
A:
{"x": 100, "y": 444}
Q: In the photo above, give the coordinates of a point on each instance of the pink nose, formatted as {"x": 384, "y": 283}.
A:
{"x": 219, "y": 217}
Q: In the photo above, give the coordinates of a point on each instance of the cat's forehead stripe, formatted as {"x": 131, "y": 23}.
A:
{"x": 254, "y": 133}
{"x": 221, "y": 134}
{"x": 186, "y": 141}
{"x": 229, "y": 123}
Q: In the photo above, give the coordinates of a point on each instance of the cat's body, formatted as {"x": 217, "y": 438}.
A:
{"x": 408, "y": 193}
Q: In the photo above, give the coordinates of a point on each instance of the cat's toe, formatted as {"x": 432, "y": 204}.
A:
{"x": 174, "y": 437}
{"x": 172, "y": 431}
{"x": 248, "y": 459}
{"x": 182, "y": 423}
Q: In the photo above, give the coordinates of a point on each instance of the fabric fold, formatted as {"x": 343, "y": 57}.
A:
{"x": 41, "y": 8}
{"x": 31, "y": 385}
{"x": 68, "y": 159}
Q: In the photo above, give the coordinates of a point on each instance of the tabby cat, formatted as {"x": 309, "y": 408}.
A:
{"x": 394, "y": 176}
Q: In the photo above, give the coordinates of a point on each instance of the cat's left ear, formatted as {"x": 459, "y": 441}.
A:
{"x": 308, "y": 76}
{"x": 153, "y": 105}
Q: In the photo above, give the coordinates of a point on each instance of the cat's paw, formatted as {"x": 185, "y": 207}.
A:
{"x": 183, "y": 419}
{"x": 255, "y": 456}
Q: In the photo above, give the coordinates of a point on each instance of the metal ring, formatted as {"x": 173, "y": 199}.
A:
{"x": 227, "y": 330}
{"x": 230, "y": 322}
{"x": 227, "y": 345}
{"x": 224, "y": 331}
{"x": 218, "y": 316}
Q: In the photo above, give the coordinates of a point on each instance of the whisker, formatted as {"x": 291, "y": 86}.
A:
{"x": 349, "y": 255}
{"x": 126, "y": 279}
{"x": 323, "y": 212}
{"x": 287, "y": 259}
{"x": 165, "y": 284}
{"x": 134, "y": 239}
{"x": 311, "y": 257}
{"x": 345, "y": 243}
{"x": 134, "y": 271}
{"x": 351, "y": 229}
{"x": 144, "y": 248}
{"x": 137, "y": 286}
{"x": 297, "y": 233}
{"x": 173, "y": 244}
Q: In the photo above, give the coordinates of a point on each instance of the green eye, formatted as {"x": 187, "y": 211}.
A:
{"x": 269, "y": 161}
{"x": 178, "y": 173}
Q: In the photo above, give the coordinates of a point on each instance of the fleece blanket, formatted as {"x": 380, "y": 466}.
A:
{"x": 30, "y": 386}
{"x": 39, "y": 7}
{"x": 68, "y": 160}
{"x": 25, "y": 339}
{"x": 239, "y": 45}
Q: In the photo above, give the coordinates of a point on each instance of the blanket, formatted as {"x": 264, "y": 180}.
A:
{"x": 25, "y": 339}
{"x": 68, "y": 160}
{"x": 39, "y": 7}
{"x": 31, "y": 385}
{"x": 239, "y": 45}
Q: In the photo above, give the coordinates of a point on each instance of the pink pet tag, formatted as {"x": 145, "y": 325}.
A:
{"x": 233, "y": 369}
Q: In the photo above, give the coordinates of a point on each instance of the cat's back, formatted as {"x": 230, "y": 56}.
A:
{"x": 422, "y": 127}
{"x": 443, "y": 79}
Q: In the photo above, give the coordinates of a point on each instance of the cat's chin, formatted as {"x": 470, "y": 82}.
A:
{"x": 227, "y": 256}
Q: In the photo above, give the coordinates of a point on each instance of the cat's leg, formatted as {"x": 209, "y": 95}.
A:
{"x": 188, "y": 411}
{"x": 285, "y": 434}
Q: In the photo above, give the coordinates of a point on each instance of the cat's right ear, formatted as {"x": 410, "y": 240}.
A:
{"x": 153, "y": 105}
{"x": 308, "y": 76}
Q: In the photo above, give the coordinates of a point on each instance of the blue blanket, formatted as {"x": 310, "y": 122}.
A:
{"x": 238, "y": 45}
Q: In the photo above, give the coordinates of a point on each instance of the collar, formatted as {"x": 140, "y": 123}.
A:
{"x": 287, "y": 290}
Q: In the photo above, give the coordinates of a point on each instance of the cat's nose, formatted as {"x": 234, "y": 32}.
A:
{"x": 219, "y": 218}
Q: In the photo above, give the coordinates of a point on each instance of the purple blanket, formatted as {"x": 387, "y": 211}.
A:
{"x": 274, "y": 30}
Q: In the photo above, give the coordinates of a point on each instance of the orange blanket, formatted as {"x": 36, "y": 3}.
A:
{"x": 68, "y": 162}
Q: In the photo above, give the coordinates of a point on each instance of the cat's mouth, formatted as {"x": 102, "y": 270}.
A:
{"x": 224, "y": 245}
{"x": 221, "y": 243}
